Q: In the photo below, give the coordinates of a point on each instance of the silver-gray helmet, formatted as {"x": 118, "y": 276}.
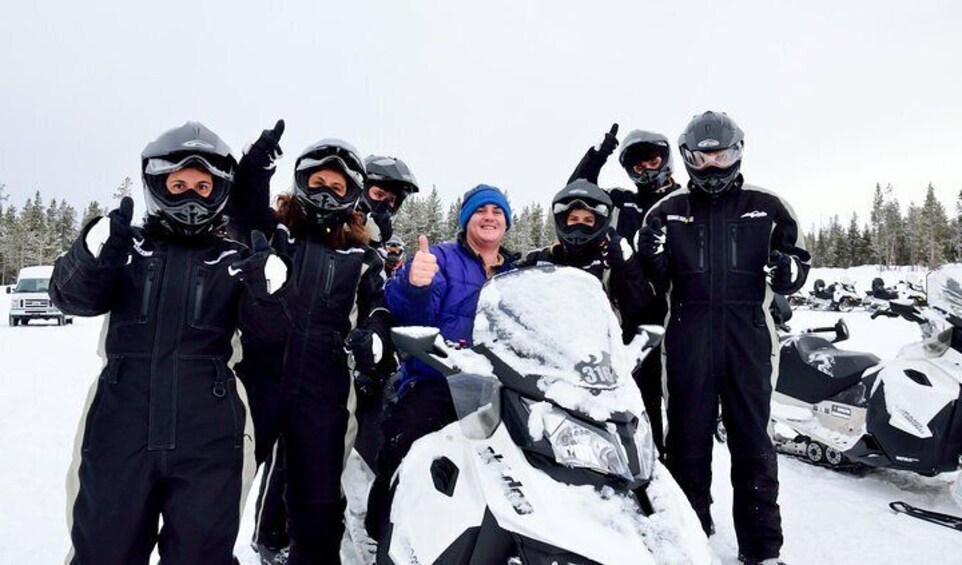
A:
{"x": 640, "y": 145}
{"x": 191, "y": 145}
{"x": 711, "y": 146}
{"x": 320, "y": 205}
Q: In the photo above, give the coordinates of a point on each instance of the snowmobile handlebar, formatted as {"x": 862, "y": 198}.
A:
{"x": 840, "y": 329}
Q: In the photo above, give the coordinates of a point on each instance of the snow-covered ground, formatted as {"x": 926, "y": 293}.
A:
{"x": 828, "y": 517}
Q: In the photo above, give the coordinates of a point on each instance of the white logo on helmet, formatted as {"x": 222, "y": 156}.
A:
{"x": 708, "y": 143}
{"x": 194, "y": 143}
{"x": 578, "y": 191}
{"x": 384, "y": 162}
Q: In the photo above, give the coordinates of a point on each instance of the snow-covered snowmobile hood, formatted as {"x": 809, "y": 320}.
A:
{"x": 556, "y": 324}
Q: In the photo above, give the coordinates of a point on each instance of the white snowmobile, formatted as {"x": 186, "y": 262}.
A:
{"x": 912, "y": 291}
{"x": 838, "y": 297}
{"x": 552, "y": 459}
{"x": 843, "y": 408}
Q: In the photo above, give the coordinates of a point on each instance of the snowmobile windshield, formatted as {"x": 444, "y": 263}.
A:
{"x": 944, "y": 291}
{"x": 555, "y": 324}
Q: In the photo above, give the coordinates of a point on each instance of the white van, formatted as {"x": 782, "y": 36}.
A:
{"x": 31, "y": 300}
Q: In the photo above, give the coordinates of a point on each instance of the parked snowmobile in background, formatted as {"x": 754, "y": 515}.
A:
{"x": 552, "y": 459}
{"x": 837, "y": 297}
{"x": 797, "y": 300}
{"x": 845, "y": 408}
{"x": 879, "y": 296}
{"x": 913, "y": 291}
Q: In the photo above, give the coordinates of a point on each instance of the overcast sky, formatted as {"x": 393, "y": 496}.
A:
{"x": 833, "y": 96}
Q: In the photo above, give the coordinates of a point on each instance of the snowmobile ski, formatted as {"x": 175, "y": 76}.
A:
{"x": 947, "y": 520}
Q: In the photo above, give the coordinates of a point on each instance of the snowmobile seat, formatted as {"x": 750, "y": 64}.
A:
{"x": 812, "y": 369}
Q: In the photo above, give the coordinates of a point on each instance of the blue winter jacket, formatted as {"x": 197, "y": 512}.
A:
{"x": 449, "y": 303}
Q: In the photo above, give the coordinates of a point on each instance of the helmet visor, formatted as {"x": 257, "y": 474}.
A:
{"x": 159, "y": 166}
{"x": 578, "y": 204}
{"x": 331, "y": 161}
{"x": 721, "y": 159}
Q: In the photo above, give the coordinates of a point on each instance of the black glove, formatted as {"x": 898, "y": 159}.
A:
{"x": 609, "y": 143}
{"x": 611, "y": 249}
{"x": 781, "y": 268}
{"x": 650, "y": 238}
{"x": 251, "y": 268}
{"x": 117, "y": 247}
{"x": 367, "y": 385}
{"x": 360, "y": 343}
{"x": 266, "y": 150}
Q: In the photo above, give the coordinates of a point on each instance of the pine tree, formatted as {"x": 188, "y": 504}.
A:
{"x": 33, "y": 233}
{"x": 536, "y": 226}
{"x": 66, "y": 226}
{"x": 451, "y": 223}
{"x": 122, "y": 191}
{"x": 837, "y": 252}
{"x": 892, "y": 230}
{"x": 866, "y": 250}
{"x": 935, "y": 230}
{"x": 876, "y": 220}
{"x": 956, "y": 237}
{"x": 93, "y": 210}
{"x": 431, "y": 221}
{"x": 853, "y": 242}
{"x": 405, "y": 222}
{"x": 10, "y": 236}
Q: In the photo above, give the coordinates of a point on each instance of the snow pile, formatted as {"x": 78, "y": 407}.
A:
{"x": 530, "y": 320}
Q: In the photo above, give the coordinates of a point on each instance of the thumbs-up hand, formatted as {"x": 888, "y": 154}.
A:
{"x": 262, "y": 268}
{"x": 424, "y": 265}
{"x": 111, "y": 239}
{"x": 651, "y": 239}
{"x": 608, "y": 145}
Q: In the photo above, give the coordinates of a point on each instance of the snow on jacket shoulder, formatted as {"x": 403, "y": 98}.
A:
{"x": 448, "y": 304}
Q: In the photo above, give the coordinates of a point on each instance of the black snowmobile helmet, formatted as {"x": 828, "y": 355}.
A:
{"x": 878, "y": 283}
{"x": 581, "y": 195}
{"x": 711, "y": 147}
{"x": 390, "y": 174}
{"x": 819, "y": 284}
{"x": 321, "y": 206}
{"x": 640, "y": 145}
{"x": 190, "y": 145}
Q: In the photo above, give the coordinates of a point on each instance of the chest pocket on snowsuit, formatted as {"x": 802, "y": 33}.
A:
{"x": 687, "y": 251}
{"x": 142, "y": 278}
{"x": 749, "y": 242}
{"x": 210, "y": 296}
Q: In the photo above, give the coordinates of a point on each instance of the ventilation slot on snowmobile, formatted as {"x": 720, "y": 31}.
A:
{"x": 917, "y": 377}
{"x": 445, "y": 475}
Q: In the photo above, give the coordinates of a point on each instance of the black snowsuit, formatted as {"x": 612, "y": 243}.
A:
{"x": 720, "y": 342}
{"x": 312, "y": 410}
{"x": 164, "y": 433}
{"x": 630, "y": 208}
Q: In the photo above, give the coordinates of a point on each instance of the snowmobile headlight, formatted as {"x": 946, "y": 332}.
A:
{"x": 938, "y": 344}
{"x": 578, "y": 444}
{"x": 645, "y": 445}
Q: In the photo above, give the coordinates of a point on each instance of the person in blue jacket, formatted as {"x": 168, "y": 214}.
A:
{"x": 439, "y": 287}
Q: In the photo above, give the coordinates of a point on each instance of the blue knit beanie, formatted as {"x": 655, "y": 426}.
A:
{"x": 479, "y": 196}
